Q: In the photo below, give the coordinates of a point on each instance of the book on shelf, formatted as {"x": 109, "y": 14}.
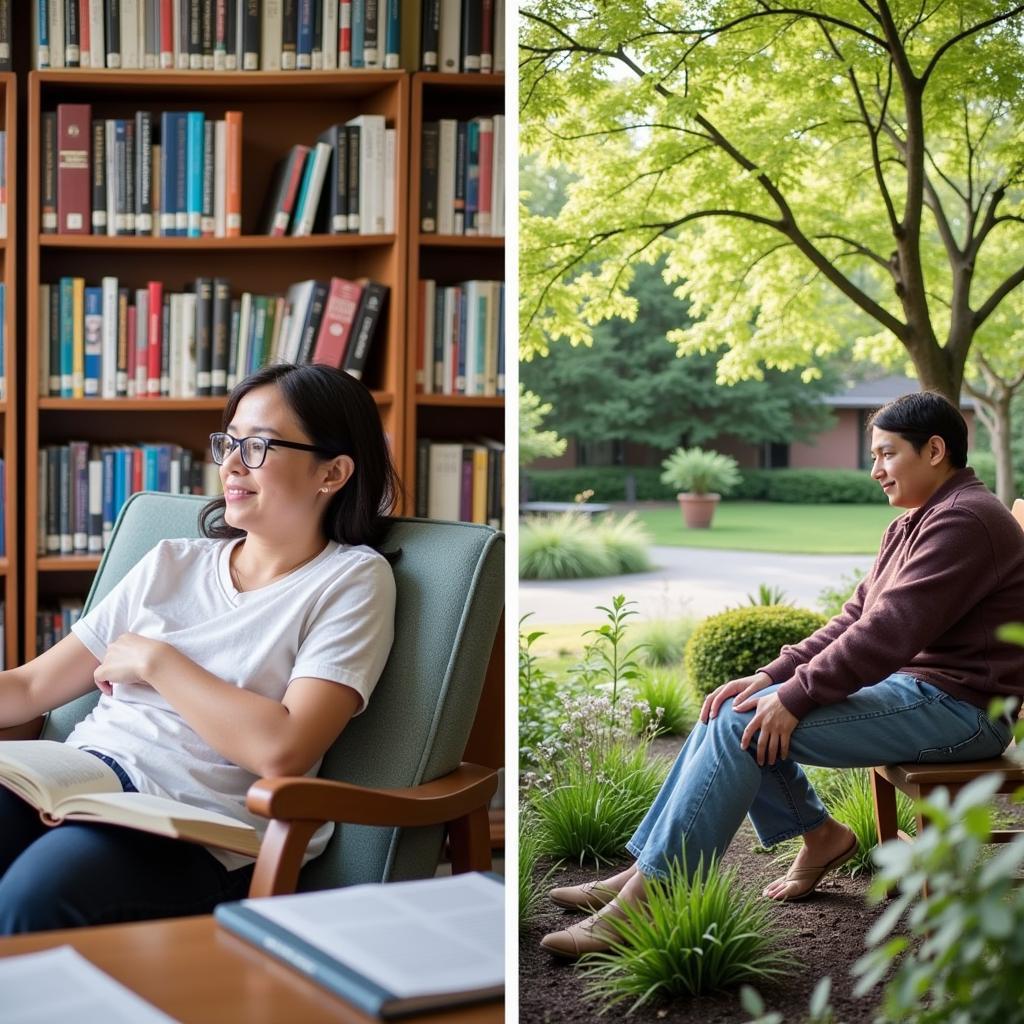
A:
{"x": 106, "y": 340}
{"x": 83, "y": 486}
{"x": 460, "y": 480}
{"x": 3, "y": 184}
{"x": 212, "y": 35}
{"x": 462, "y": 178}
{"x": 465, "y": 36}
{"x": 149, "y": 174}
{"x": 461, "y": 344}
{"x": 67, "y": 784}
{"x": 54, "y": 623}
{"x": 390, "y": 949}
{"x": 5, "y": 34}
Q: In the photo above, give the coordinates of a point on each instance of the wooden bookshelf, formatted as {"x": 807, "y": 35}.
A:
{"x": 9, "y": 407}
{"x": 279, "y": 110}
{"x": 447, "y": 259}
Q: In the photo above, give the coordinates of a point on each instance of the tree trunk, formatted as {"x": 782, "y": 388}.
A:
{"x": 994, "y": 412}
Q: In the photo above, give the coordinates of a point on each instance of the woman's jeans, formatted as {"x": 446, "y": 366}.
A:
{"x": 84, "y": 874}
{"x": 714, "y": 783}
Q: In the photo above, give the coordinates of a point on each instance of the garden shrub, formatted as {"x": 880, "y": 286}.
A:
{"x": 695, "y": 935}
{"x": 736, "y": 642}
{"x": 831, "y": 599}
{"x": 792, "y": 486}
{"x": 984, "y": 466}
{"x": 963, "y": 959}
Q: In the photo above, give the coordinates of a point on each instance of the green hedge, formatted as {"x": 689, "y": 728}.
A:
{"x": 735, "y": 643}
{"x": 792, "y": 486}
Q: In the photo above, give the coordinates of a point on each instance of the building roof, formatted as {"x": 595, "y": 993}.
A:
{"x": 869, "y": 394}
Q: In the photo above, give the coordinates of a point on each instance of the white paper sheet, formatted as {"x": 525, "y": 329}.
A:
{"x": 60, "y": 984}
{"x": 413, "y": 938}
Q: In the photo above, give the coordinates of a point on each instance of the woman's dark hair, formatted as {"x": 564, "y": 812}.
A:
{"x": 922, "y": 415}
{"x": 338, "y": 414}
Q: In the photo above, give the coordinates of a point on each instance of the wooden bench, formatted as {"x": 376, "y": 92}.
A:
{"x": 554, "y": 508}
{"x": 919, "y": 781}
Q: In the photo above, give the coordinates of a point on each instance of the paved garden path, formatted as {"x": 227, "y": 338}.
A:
{"x": 689, "y": 582}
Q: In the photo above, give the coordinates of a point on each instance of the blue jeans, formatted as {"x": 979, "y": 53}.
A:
{"x": 83, "y": 874}
{"x": 714, "y": 783}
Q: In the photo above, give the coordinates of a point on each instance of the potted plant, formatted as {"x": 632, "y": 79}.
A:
{"x": 701, "y": 477}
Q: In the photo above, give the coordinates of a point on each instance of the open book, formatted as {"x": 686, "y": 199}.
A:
{"x": 390, "y": 949}
{"x": 64, "y": 783}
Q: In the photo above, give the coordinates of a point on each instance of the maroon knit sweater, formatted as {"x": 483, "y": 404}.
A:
{"x": 947, "y": 576}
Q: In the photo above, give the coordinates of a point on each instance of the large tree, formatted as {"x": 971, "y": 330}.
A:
{"x": 630, "y": 386}
{"x": 813, "y": 171}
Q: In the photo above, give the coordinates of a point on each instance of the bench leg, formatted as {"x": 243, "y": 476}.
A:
{"x": 884, "y": 793}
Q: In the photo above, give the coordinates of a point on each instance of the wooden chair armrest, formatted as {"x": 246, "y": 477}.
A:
{"x": 431, "y": 803}
{"x": 25, "y": 731}
{"x": 299, "y": 806}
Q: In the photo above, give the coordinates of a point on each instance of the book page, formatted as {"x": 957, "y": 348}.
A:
{"x": 46, "y": 771}
{"x": 126, "y": 806}
{"x": 85, "y": 994}
{"x": 412, "y": 938}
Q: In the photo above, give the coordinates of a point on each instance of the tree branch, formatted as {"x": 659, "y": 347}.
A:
{"x": 990, "y": 304}
{"x": 966, "y": 34}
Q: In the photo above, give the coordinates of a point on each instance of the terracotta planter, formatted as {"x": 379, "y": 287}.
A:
{"x": 698, "y": 509}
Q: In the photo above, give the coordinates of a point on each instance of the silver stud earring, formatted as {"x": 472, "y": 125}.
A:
{"x": 324, "y": 490}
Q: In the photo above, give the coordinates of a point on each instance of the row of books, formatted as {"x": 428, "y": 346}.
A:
{"x": 55, "y": 622}
{"x": 109, "y": 341}
{"x": 5, "y": 49}
{"x": 343, "y": 183}
{"x": 3, "y": 184}
{"x": 173, "y": 174}
{"x": 460, "y": 480}
{"x": 461, "y": 348}
{"x": 3, "y": 342}
{"x": 218, "y": 35}
{"x": 82, "y": 488}
{"x": 463, "y": 35}
{"x": 463, "y": 177}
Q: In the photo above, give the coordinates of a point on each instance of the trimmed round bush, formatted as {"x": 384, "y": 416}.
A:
{"x": 736, "y": 642}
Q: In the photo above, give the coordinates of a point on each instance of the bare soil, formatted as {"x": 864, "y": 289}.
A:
{"x": 825, "y": 932}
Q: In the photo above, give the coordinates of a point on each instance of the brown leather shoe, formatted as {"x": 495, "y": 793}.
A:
{"x": 589, "y": 896}
{"x": 594, "y": 935}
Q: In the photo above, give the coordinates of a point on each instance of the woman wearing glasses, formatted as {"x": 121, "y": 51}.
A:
{"x": 220, "y": 660}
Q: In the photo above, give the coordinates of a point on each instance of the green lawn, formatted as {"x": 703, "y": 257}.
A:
{"x": 771, "y": 526}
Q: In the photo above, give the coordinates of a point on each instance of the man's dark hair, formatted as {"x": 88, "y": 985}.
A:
{"x": 922, "y": 415}
{"x": 338, "y": 414}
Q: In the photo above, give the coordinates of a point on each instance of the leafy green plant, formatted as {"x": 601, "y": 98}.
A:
{"x": 696, "y": 471}
{"x": 626, "y": 541}
{"x": 768, "y": 595}
{"x": 667, "y": 691}
{"x": 696, "y": 934}
{"x": 661, "y": 642}
{"x": 961, "y": 960}
{"x": 846, "y": 792}
{"x": 736, "y": 642}
{"x": 831, "y": 599}
{"x": 539, "y": 705}
{"x": 563, "y": 547}
{"x": 531, "y": 889}
{"x": 587, "y": 808}
{"x": 818, "y": 1012}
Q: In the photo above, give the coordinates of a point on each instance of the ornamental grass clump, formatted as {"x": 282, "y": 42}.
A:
{"x": 563, "y": 547}
{"x": 625, "y": 541}
{"x": 673, "y": 702}
{"x": 662, "y": 641}
{"x": 737, "y": 642}
{"x": 694, "y": 936}
{"x": 531, "y": 890}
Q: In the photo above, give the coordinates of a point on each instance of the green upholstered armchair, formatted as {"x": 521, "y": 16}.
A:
{"x": 394, "y": 779}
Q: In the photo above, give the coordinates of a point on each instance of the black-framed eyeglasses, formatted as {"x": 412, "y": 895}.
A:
{"x": 254, "y": 449}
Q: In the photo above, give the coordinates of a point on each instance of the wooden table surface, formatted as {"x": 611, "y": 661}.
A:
{"x": 199, "y": 973}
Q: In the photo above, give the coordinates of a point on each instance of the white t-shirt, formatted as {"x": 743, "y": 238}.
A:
{"x": 332, "y": 618}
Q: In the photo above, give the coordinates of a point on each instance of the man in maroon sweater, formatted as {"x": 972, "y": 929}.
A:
{"x": 905, "y": 672}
